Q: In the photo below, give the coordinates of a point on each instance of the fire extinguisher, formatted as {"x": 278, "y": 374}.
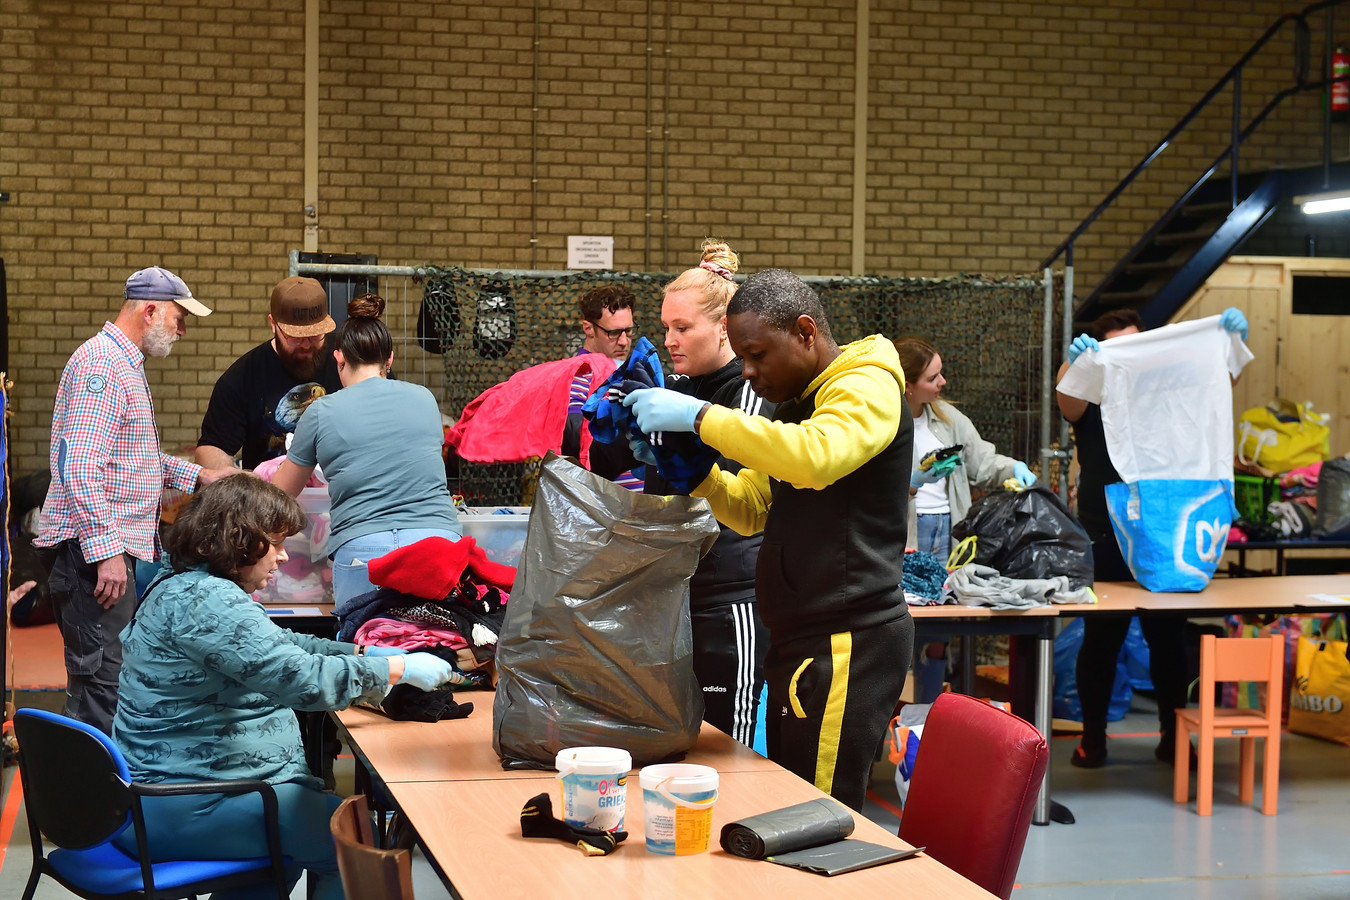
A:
{"x": 1340, "y": 90}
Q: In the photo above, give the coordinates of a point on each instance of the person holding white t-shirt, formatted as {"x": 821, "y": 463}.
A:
{"x": 938, "y": 500}
{"x": 1103, "y": 636}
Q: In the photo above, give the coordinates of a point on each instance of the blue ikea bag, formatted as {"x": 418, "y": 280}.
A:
{"x": 1172, "y": 533}
{"x": 1066, "y": 704}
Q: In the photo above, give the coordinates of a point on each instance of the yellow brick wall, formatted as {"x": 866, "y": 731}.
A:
{"x": 171, "y": 132}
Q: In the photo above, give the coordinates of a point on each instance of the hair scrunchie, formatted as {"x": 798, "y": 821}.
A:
{"x": 716, "y": 269}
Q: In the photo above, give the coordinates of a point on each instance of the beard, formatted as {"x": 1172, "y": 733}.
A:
{"x": 159, "y": 339}
{"x": 304, "y": 366}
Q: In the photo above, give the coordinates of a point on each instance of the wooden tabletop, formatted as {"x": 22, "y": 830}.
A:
{"x": 472, "y": 830}
{"x": 461, "y": 749}
{"x": 1273, "y": 593}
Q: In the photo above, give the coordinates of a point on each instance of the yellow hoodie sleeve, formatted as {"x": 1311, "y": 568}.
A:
{"x": 740, "y": 501}
{"x": 856, "y": 416}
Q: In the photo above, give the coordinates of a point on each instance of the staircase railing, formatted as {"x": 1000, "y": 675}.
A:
{"x": 1239, "y": 133}
{"x": 1302, "y": 40}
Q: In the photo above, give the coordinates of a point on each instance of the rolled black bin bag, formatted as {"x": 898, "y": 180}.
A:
{"x": 807, "y": 824}
{"x": 809, "y": 836}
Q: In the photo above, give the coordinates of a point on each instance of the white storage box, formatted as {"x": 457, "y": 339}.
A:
{"x": 500, "y": 534}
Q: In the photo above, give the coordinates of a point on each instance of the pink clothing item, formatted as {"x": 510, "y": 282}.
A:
{"x": 408, "y": 636}
{"x": 267, "y": 470}
{"x": 1306, "y": 476}
{"x": 525, "y": 416}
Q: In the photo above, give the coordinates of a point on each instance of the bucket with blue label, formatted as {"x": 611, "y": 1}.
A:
{"x": 593, "y": 782}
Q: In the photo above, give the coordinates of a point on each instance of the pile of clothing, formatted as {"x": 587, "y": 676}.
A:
{"x": 436, "y": 596}
{"x": 1293, "y": 516}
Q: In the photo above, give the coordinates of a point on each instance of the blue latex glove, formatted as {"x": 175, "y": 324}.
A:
{"x": 428, "y": 671}
{"x": 1081, "y": 343}
{"x": 1025, "y": 477}
{"x": 659, "y": 409}
{"x": 1233, "y": 320}
{"x": 372, "y": 650}
{"x": 920, "y": 477}
{"x": 642, "y": 452}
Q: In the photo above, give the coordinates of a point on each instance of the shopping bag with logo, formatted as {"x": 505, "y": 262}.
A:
{"x": 1321, "y": 690}
{"x": 1172, "y": 533}
{"x": 1282, "y": 436}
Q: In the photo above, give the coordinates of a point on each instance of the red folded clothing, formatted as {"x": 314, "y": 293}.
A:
{"x": 430, "y": 568}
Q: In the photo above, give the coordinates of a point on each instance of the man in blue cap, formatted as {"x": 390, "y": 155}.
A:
{"x": 108, "y": 472}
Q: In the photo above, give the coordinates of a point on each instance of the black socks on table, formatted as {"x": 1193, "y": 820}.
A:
{"x": 537, "y": 820}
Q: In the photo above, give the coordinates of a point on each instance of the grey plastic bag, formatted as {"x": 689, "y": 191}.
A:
{"x": 596, "y": 647}
{"x": 1333, "y": 500}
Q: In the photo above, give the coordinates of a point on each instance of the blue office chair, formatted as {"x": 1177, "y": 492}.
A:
{"x": 78, "y": 792}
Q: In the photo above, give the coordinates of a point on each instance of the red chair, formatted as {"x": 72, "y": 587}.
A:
{"x": 976, "y": 777}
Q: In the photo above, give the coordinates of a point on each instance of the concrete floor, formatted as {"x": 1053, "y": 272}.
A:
{"x": 1130, "y": 841}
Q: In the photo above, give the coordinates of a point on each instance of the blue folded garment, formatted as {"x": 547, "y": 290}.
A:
{"x": 682, "y": 459}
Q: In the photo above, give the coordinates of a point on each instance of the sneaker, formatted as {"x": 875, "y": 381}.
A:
{"x": 1088, "y": 759}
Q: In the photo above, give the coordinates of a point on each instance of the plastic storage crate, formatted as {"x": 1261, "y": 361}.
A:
{"x": 1253, "y": 494}
{"x": 500, "y": 534}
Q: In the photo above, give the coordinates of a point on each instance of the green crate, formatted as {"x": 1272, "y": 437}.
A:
{"x": 1253, "y": 494}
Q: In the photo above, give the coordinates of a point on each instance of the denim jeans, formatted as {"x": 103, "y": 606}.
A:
{"x": 935, "y": 534}
{"x": 350, "y": 576}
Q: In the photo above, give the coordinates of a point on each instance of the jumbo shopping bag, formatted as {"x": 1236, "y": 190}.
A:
{"x": 596, "y": 645}
{"x": 1298, "y": 437}
{"x": 1321, "y": 691}
{"x": 1172, "y": 533}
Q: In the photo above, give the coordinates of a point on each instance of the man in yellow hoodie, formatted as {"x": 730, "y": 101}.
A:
{"x": 827, "y": 481}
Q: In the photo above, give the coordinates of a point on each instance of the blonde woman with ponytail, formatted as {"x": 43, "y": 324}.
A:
{"x": 729, "y": 639}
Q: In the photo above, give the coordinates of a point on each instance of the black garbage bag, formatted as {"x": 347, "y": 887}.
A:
{"x": 1028, "y": 534}
{"x": 596, "y": 648}
{"x": 1333, "y": 500}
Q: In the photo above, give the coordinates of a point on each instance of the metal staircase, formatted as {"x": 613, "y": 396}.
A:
{"x": 1214, "y": 216}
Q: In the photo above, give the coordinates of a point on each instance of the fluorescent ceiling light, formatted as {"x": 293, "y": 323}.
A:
{"x": 1332, "y": 201}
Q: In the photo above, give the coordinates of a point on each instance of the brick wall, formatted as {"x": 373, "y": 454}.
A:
{"x": 171, "y": 132}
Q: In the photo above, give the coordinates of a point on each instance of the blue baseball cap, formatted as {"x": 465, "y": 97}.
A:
{"x": 156, "y": 283}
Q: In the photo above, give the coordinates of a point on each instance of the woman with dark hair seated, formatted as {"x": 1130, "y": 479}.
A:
{"x": 209, "y": 683}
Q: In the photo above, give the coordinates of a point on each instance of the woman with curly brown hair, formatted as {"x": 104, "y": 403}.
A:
{"x": 209, "y": 682}
{"x": 379, "y": 442}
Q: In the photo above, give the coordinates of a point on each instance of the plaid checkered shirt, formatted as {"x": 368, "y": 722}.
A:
{"x": 108, "y": 471}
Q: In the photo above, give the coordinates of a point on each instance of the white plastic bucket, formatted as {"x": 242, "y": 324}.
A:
{"x": 594, "y": 786}
{"x": 677, "y": 804}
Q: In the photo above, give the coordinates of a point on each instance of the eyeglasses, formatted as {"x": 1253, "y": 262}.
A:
{"x": 615, "y": 333}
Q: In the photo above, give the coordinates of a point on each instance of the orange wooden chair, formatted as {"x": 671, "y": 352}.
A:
{"x": 1233, "y": 659}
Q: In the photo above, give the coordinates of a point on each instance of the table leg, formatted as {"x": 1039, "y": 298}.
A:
{"x": 967, "y": 643}
{"x": 1044, "y": 698}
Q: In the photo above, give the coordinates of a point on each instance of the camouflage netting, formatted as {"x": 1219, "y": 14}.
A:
{"x": 988, "y": 332}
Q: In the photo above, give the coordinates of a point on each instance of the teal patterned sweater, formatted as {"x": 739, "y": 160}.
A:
{"x": 209, "y": 683}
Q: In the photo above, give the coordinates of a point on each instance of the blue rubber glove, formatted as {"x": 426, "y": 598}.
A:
{"x": 642, "y": 452}
{"x": 372, "y": 650}
{"x": 1233, "y": 320}
{"x": 1025, "y": 477}
{"x": 1081, "y": 343}
{"x": 428, "y": 671}
{"x": 920, "y": 477}
{"x": 659, "y": 409}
